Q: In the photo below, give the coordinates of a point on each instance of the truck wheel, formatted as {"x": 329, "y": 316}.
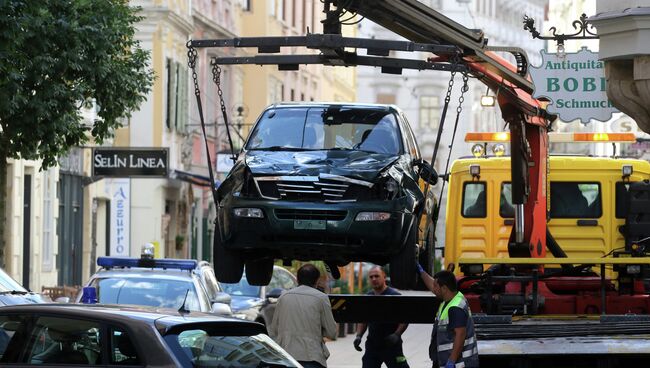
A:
{"x": 402, "y": 267}
{"x": 228, "y": 265}
{"x": 259, "y": 271}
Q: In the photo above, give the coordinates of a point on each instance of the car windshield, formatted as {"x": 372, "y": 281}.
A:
{"x": 242, "y": 288}
{"x": 9, "y": 284}
{"x": 147, "y": 291}
{"x": 205, "y": 348}
{"x": 333, "y": 128}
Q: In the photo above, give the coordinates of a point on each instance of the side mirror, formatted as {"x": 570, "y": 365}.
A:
{"x": 221, "y": 309}
{"x": 62, "y": 299}
{"x": 428, "y": 173}
{"x": 274, "y": 293}
{"x": 223, "y": 298}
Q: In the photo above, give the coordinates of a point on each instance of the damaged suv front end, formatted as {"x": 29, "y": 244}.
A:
{"x": 333, "y": 182}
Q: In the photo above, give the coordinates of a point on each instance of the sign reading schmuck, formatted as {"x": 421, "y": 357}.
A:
{"x": 130, "y": 162}
{"x": 575, "y": 85}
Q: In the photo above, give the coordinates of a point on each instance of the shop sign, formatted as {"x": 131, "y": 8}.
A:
{"x": 120, "y": 191}
{"x": 575, "y": 85}
{"x": 130, "y": 162}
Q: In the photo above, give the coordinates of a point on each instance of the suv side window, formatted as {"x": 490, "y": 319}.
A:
{"x": 66, "y": 341}
{"x": 575, "y": 200}
{"x": 474, "y": 200}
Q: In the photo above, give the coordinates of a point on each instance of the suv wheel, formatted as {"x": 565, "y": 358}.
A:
{"x": 259, "y": 271}
{"x": 228, "y": 265}
{"x": 403, "y": 274}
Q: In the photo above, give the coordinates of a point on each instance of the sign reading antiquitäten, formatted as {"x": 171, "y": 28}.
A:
{"x": 575, "y": 84}
{"x": 130, "y": 162}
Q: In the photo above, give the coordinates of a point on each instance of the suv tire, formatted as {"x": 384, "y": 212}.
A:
{"x": 403, "y": 274}
{"x": 228, "y": 265}
{"x": 259, "y": 271}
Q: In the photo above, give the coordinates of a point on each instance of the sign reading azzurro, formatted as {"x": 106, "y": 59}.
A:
{"x": 130, "y": 162}
{"x": 575, "y": 85}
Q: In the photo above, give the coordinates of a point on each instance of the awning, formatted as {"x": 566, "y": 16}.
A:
{"x": 193, "y": 178}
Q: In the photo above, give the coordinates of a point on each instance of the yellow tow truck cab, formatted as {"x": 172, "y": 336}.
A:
{"x": 587, "y": 205}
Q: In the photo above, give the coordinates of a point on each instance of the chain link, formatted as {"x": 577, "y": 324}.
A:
{"x": 463, "y": 90}
{"x": 216, "y": 78}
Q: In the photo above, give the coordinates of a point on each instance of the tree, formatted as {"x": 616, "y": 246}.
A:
{"x": 57, "y": 56}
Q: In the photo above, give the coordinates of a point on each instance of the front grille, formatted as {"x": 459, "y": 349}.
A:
{"x": 316, "y": 189}
{"x": 291, "y": 214}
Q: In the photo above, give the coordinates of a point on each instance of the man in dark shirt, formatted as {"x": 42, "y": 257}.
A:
{"x": 384, "y": 342}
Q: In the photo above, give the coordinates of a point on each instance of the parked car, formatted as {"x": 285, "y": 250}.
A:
{"x": 257, "y": 303}
{"x": 162, "y": 282}
{"x": 12, "y": 293}
{"x": 100, "y": 335}
{"x": 335, "y": 182}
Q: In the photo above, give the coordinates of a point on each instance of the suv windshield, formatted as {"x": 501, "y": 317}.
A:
{"x": 146, "y": 291}
{"x": 205, "y": 348}
{"x": 242, "y": 288}
{"x": 318, "y": 128}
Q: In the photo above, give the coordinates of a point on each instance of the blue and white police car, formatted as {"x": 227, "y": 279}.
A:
{"x": 159, "y": 282}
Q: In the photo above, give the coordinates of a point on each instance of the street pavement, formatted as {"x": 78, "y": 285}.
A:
{"x": 416, "y": 346}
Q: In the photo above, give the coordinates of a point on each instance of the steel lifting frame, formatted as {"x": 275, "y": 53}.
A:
{"x": 332, "y": 52}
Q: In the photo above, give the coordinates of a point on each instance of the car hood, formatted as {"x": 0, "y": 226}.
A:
{"x": 355, "y": 164}
{"x": 240, "y": 303}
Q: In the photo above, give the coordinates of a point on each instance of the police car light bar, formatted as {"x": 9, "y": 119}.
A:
{"x": 557, "y": 137}
{"x": 181, "y": 264}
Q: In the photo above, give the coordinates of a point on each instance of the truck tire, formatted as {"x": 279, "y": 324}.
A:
{"x": 228, "y": 265}
{"x": 259, "y": 271}
{"x": 403, "y": 274}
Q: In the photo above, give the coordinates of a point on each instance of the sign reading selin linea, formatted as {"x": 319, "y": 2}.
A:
{"x": 575, "y": 85}
{"x": 130, "y": 162}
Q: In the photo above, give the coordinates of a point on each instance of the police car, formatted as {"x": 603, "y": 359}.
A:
{"x": 105, "y": 335}
{"x": 159, "y": 282}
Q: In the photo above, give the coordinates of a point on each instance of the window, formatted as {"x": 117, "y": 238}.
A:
{"x": 10, "y": 339}
{"x": 575, "y": 200}
{"x": 622, "y": 188}
{"x": 123, "y": 351}
{"x": 64, "y": 341}
{"x": 226, "y": 347}
{"x": 506, "y": 208}
{"x": 177, "y": 99}
{"x": 171, "y": 93}
{"x": 385, "y": 98}
{"x": 281, "y": 280}
{"x": 153, "y": 292}
{"x": 48, "y": 220}
{"x": 324, "y": 129}
{"x": 429, "y": 111}
{"x": 210, "y": 282}
{"x": 474, "y": 200}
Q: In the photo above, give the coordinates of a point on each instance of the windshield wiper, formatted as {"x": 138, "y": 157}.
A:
{"x": 14, "y": 292}
{"x": 279, "y": 148}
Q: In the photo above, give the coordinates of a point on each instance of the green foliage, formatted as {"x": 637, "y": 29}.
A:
{"x": 57, "y": 56}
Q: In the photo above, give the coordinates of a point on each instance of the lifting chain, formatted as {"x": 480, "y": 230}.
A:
{"x": 192, "y": 56}
{"x": 216, "y": 78}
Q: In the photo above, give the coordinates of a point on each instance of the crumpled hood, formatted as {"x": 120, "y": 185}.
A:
{"x": 240, "y": 303}
{"x": 354, "y": 164}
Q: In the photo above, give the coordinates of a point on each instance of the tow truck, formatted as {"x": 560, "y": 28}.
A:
{"x": 515, "y": 336}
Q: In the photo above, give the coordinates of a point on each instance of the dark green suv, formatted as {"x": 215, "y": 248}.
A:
{"x": 334, "y": 182}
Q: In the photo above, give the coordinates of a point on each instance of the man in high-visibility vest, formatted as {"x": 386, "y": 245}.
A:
{"x": 453, "y": 332}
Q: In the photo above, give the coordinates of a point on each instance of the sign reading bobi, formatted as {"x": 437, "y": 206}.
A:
{"x": 575, "y": 85}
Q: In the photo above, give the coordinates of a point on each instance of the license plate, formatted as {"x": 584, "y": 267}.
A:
{"x": 309, "y": 224}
